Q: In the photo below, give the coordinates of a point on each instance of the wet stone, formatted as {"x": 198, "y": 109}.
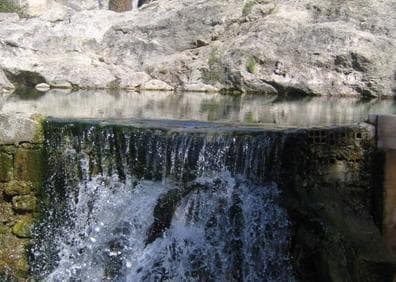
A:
{"x": 4, "y": 229}
{"x": 6, "y": 213}
{"x": 8, "y": 149}
{"x": 6, "y": 167}
{"x": 24, "y": 203}
{"x": 12, "y": 256}
{"x": 29, "y": 165}
{"x": 23, "y": 227}
{"x": 16, "y": 188}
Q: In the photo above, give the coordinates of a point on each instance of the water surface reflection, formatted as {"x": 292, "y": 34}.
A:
{"x": 307, "y": 111}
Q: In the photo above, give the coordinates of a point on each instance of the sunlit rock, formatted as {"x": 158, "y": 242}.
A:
{"x": 43, "y": 87}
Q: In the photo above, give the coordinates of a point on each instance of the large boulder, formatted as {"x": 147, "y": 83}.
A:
{"x": 267, "y": 46}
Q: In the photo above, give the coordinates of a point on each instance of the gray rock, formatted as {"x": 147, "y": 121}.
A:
{"x": 295, "y": 47}
{"x": 9, "y": 17}
{"x": 17, "y": 188}
{"x": 63, "y": 84}
{"x": 155, "y": 84}
{"x": 17, "y": 128}
{"x": 4, "y": 82}
{"x": 199, "y": 87}
{"x": 25, "y": 203}
{"x": 43, "y": 87}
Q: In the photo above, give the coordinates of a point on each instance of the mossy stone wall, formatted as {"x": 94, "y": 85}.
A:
{"x": 334, "y": 194}
{"x": 21, "y": 177}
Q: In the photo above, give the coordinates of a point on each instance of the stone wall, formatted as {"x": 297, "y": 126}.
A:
{"x": 21, "y": 177}
{"x": 334, "y": 194}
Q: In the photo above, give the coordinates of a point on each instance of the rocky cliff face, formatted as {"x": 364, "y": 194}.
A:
{"x": 271, "y": 46}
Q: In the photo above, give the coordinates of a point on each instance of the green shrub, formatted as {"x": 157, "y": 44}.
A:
{"x": 216, "y": 71}
{"x": 251, "y": 64}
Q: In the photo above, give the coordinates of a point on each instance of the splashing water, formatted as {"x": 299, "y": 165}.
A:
{"x": 217, "y": 225}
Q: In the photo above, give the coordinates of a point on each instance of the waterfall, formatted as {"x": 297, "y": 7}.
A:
{"x": 123, "y": 203}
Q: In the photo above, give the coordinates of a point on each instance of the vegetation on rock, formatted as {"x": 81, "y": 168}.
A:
{"x": 247, "y": 7}
{"x": 7, "y": 6}
{"x": 251, "y": 64}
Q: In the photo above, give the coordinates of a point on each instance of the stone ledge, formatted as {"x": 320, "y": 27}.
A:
{"x": 19, "y": 128}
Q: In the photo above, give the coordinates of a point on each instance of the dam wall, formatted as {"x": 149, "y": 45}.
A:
{"x": 325, "y": 175}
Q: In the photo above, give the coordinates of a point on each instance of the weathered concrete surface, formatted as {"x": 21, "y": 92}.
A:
{"x": 284, "y": 46}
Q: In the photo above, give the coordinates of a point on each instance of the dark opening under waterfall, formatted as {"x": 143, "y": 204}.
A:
{"x": 142, "y": 204}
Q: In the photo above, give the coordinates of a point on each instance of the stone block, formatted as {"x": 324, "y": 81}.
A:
{"x": 29, "y": 165}
{"x": 6, "y": 167}
{"x": 4, "y": 229}
{"x": 24, "y": 203}
{"x": 6, "y": 213}
{"x": 13, "y": 258}
{"x": 23, "y": 227}
{"x": 17, "y": 128}
{"x": 17, "y": 188}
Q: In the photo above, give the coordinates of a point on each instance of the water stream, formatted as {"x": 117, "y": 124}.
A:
{"x": 139, "y": 204}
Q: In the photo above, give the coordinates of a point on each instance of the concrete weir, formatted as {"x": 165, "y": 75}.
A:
{"x": 386, "y": 141}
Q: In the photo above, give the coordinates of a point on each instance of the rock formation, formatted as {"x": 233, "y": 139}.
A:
{"x": 120, "y": 6}
{"x": 266, "y": 46}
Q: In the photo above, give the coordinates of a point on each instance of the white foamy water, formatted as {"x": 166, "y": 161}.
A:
{"x": 226, "y": 230}
{"x": 209, "y": 216}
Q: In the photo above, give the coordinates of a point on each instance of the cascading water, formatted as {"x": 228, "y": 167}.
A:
{"x": 139, "y": 204}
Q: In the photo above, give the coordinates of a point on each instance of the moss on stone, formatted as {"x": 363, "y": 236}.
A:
{"x": 6, "y": 213}
{"x": 22, "y": 268}
{"x": 4, "y": 229}
{"x": 251, "y": 64}
{"x": 327, "y": 185}
{"x": 6, "y": 167}
{"x": 29, "y": 165}
{"x": 13, "y": 257}
{"x": 23, "y": 227}
{"x": 18, "y": 188}
{"x": 39, "y": 134}
{"x": 248, "y": 6}
{"x": 8, "y": 149}
{"x": 24, "y": 203}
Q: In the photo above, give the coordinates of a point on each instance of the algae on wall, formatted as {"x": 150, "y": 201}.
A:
{"x": 21, "y": 178}
{"x": 335, "y": 203}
